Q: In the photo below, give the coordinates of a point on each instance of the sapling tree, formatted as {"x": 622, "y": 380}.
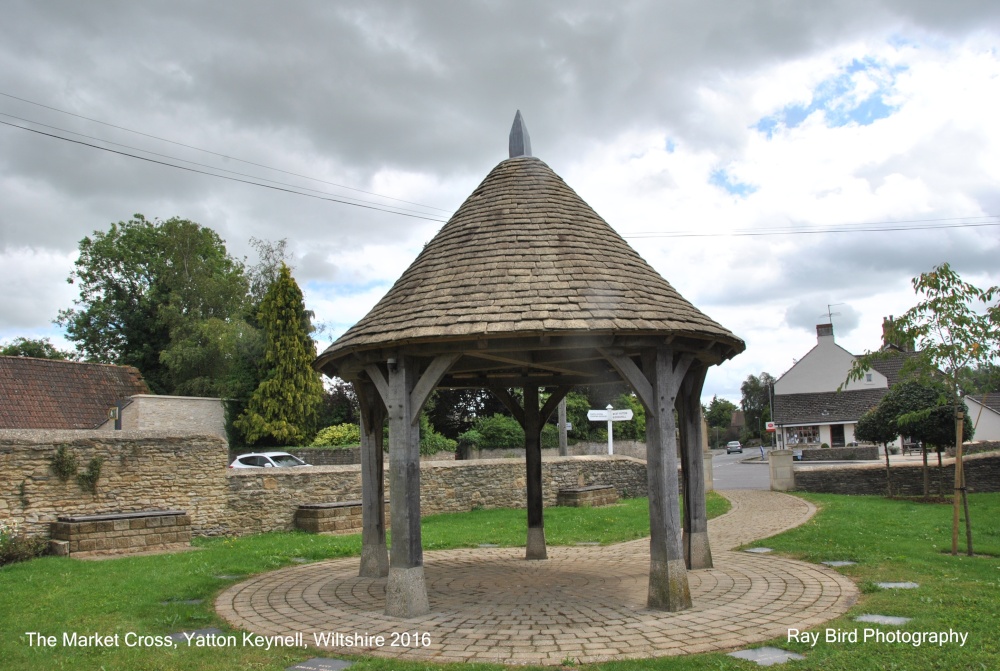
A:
{"x": 955, "y": 325}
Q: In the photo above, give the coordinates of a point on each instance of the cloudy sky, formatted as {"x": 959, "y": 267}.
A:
{"x": 749, "y": 151}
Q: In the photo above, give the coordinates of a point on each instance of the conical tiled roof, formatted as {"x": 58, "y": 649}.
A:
{"x": 524, "y": 256}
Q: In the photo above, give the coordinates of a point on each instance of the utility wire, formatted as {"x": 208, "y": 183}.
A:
{"x": 841, "y": 228}
{"x": 203, "y": 165}
{"x": 231, "y": 158}
{"x": 232, "y": 179}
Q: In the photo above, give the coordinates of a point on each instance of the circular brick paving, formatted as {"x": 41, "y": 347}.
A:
{"x": 585, "y": 603}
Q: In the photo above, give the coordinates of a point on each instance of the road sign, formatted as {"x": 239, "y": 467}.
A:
{"x": 770, "y": 427}
{"x": 621, "y": 415}
{"x": 609, "y": 415}
{"x": 598, "y": 415}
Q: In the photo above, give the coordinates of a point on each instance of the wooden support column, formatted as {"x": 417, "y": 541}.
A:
{"x": 532, "y": 419}
{"x": 405, "y": 396}
{"x": 374, "y": 556}
{"x": 668, "y": 582}
{"x": 405, "y": 590}
{"x": 697, "y": 552}
{"x": 533, "y": 465}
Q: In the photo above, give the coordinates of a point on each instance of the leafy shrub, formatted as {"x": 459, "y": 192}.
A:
{"x": 550, "y": 436}
{"x": 471, "y": 439}
{"x": 499, "y": 432}
{"x": 64, "y": 463}
{"x": 88, "y": 479}
{"x": 338, "y": 435}
{"x": 432, "y": 442}
{"x": 824, "y": 446}
{"x": 16, "y": 546}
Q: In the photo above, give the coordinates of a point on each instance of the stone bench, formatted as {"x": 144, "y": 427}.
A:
{"x": 343, "y": 517}
{"x": 121, "y": 532}
{"x": 594, "y": 495}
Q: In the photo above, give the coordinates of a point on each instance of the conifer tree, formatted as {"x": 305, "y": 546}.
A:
{"x": 283, "y": 409}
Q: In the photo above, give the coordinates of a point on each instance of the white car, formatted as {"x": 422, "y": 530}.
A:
{"x": 734, "y": 446}
{"x": 267, "y": 460}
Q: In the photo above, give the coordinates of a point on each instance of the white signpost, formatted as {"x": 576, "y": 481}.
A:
{"x": 609, "y": 415}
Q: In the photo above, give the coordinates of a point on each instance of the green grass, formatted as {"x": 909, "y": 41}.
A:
{"x": 890, "y": 540}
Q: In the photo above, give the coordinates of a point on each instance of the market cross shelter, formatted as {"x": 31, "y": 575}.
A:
{"x": 527, "y": 287}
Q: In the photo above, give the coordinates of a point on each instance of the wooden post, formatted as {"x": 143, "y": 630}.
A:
{"x": 697, "y": 551}
{"x": 563, "y": 438}
{"x": 668, "y": 582}
{"x": 405, "y": 590}
{"x": 374, "y": 556}
{"x": 533, "y": 465}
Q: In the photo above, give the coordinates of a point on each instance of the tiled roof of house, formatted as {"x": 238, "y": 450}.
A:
{"x": 892, "y": 364}
{"x": 49, "y": 394}
{"x": 825, "y": 407}
{"x": 525, "y": 255}
{"x": 991, "y": 401}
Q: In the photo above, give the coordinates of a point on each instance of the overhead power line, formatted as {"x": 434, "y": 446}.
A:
{"x": 232, "y": 179}
{"x": 213, "y": 153}
{"x": 203, "y": 165}
{"x": 865, "y": 227}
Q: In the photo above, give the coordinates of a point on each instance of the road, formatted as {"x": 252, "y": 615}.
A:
{"x": 729, "y": 473}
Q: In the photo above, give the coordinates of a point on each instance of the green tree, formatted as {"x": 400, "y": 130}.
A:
{"x": 879, "y": 427}
{"x": 720, "y": 413}
{"x": 38, "y": 348}
{"x": 955, "y": 326}
{"x": 756, "y": 402}
{"x": 145, "y": 285}
{"x": 283, "y": 409}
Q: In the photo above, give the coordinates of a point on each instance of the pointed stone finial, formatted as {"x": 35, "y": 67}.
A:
{"x": 520, "y": 143}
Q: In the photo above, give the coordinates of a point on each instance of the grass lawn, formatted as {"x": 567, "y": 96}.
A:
{"x": 890, "y": 540}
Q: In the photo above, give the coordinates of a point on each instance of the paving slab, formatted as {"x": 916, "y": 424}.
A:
{"x": 897, "y": 585}
{"x": 767, "y": 656}
{"x": 840, "y": 562}
{"x": 883, "y": 619}
{"x": 584, "y": 602}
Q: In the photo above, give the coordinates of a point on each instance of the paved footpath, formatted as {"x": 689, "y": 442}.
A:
{"x": 584, "y": 603}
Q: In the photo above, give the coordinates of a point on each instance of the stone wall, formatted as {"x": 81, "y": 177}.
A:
{"x": 982, "y": 474}
{"x": 840, "y": 453}
{"x": 151, "y": 470}
{"x": 333, "y": 456}
{"x": 976, "y": 447}
{"x": 266, "y": 500}
{"x": 624, "y": 448}
{"x": 139, "y": 471}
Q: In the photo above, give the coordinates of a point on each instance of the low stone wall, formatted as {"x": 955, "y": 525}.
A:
{"x": 587, "y": 497}
{"x": 344, "y": 517}
{"x": 148, "y": 470}
{"x": 135, "y": 532}
{"x": 977, "y": 447}
{"x": 334, "y": 456}
{"x": 140, "y": 470}
{"x": 840, "y": 453}
{"x": 982, "y": 474}
{"x": 623, "y": 448}
{"x": 266, "y": 500}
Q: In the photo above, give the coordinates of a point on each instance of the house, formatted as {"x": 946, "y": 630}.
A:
{"x": 807, "y": 406}
{"x": 51, "y": 394}
{"x": 984, "y": 411}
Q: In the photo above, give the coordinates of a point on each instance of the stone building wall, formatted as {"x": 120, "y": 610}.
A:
{"x": 179, "y": 415}
{"x": 982, "y": 474}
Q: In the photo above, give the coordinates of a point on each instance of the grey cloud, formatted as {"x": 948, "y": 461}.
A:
{"x": 807, "y": 313}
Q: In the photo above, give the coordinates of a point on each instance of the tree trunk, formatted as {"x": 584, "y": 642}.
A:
{"x": 888, "y": 475}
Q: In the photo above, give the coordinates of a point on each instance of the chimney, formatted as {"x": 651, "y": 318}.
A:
{"x": 824, "y": 331}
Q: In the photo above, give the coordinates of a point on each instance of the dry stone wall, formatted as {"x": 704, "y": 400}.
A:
{"x": 143, "y": 471}
{"x": 982, "y": 474}
{"x": 139, "y": 471}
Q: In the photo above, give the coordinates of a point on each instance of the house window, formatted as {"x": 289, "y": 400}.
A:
{"x": 868, "y": 378}
{"x": 802, "y": 435}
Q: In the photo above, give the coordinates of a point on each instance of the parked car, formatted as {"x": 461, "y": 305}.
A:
{"x": 734, "y": 446}
{"x": 267, "y": 460}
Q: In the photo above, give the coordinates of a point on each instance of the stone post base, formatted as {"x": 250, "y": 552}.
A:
{"x": 782, "y": 473}
{"x": 697, "y": 551}
{"x": 536, "y": 544}
{"x": 406, "y": 593}
{"x": 374, "y": 561}
{"x": 668, "y": 586}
